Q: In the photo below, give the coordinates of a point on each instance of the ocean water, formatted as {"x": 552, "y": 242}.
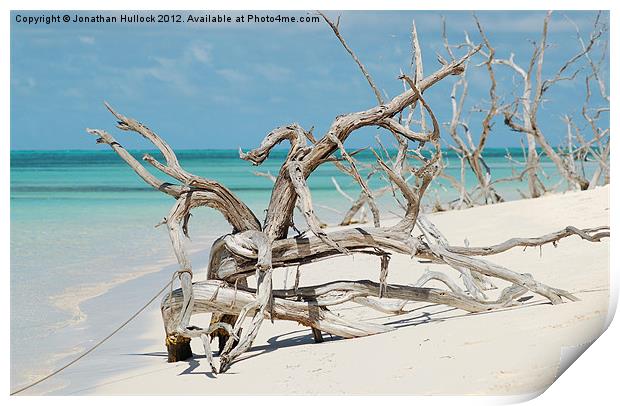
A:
{"x": 82, "y": 224}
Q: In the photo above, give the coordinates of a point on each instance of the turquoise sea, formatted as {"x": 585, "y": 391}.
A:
{"x": 82, "y": 228}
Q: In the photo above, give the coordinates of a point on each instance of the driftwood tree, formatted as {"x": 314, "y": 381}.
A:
{"x": 257, "y": 249}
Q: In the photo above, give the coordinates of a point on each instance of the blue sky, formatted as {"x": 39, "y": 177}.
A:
{"x": 225, "y": 86}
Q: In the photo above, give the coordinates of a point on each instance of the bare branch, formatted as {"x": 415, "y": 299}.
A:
{"x": 371, "y": 82}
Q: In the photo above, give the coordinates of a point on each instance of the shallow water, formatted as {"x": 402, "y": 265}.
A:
{"x": 82, "y": 223}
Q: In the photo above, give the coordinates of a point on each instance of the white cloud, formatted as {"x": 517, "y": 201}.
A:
{"x": 319, "y": 70}
{"x": 201, "y": 52}
{"x": 73, "y": 92}
{"x": 88, "y": 40}
{"x": 24, "y": 84}
{"x": 173, "y": 71}
{"x": 232, "y": 75}
{"x": 277, "y": 99}
{"x": 272, "y": 72}
{"x": 492, "y": 21}
{"x": 166, "y": 70}
{"x": 220, "y": 98}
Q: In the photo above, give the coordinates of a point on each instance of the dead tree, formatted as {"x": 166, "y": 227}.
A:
{"x": 593, "y": 140}
{"x": 257, "y": 249}
{"x": 471, "y": 151}
{"x": 522, "y": 116}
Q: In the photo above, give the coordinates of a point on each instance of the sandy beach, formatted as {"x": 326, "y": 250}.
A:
{"x": 434, "y": 349}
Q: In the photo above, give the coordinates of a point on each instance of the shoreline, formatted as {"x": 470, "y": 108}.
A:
{"x": 296, "y": 341}
{"x": 74, "y": 300}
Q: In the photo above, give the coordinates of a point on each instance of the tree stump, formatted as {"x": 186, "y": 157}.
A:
{"x": 178, "y": 347}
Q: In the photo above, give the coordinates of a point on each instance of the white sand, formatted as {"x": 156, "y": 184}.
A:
{"x": 435, "y": 350}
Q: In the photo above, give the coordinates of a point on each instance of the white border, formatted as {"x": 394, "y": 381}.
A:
{"x": 591, "y": 380}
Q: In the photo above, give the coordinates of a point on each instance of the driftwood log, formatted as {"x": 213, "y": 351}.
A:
{"x": 257, "y": 249}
